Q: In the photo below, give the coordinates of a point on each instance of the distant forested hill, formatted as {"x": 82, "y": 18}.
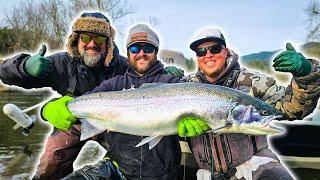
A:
{"x": 262, "y": 61}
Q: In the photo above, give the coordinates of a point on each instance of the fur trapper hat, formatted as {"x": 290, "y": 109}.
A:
{"x": 96, "y": 23}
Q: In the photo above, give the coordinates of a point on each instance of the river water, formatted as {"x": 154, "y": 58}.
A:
{"x": 19, "y": 154}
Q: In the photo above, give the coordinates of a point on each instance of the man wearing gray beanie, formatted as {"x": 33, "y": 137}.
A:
{"x": 161, "y": 162}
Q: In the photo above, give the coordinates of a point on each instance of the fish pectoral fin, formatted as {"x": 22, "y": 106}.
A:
{"x": 15, "y": 127}
{"x": 152, "y": 140}
{"x": 91, "y": 129}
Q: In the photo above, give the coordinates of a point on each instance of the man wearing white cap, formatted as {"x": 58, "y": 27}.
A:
{"x": 237, "y": 155}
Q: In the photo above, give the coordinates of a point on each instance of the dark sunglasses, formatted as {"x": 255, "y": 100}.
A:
{"x": 136, "y": 48}
{"x": 86, "y": 38}
{"x": 215, "y": 49}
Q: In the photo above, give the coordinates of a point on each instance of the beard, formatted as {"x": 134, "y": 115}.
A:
{"x": 143, "y": 69}
{"x": 214, "y": 74}
{"x": 92, "y": 61}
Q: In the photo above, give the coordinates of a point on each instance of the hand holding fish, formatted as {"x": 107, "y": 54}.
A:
{"x": 191, "y": 127}
{"x": 57, "y": 113}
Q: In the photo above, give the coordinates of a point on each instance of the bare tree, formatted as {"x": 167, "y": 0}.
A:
{"x": 28, "y": 21}
{"x": 117, "y": 9}
{"x": 49, "y": 20}
{"x": 151, "y": 20}
{"x": 313, "y": 12}
{"x": 56, "y": 16}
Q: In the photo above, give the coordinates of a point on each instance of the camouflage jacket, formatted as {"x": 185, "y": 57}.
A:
{"x": 221, "y": 153}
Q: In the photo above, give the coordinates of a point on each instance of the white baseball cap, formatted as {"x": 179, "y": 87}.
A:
{"x": 206, "y": 35}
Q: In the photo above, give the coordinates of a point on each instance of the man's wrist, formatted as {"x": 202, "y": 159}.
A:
{"x": 22, "y": 65}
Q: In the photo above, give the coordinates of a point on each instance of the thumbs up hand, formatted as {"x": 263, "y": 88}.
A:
{"x": 39, "y": 66}
{"x": 292, "y": 61}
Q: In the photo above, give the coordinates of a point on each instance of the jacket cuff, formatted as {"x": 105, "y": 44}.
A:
{"x": 21, "y": 67}
{"x": 312, "y": 78}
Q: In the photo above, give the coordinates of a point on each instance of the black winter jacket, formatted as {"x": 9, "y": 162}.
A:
{"x": 70, "y": 76}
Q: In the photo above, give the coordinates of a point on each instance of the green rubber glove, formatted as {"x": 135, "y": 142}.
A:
{"x": 292, "y": 61}
{"x": 174, "y": 71}
{"x": 37, "y": 65}
{"x": 57, "y": 113}
{"x": 191, "y": 127}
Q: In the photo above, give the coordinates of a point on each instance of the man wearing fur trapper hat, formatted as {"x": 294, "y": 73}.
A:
{"x": 96, "y": 27}
{"x": 91, "y": 57}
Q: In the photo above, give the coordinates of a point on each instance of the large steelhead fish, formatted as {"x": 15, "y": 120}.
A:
{"x": 154, "y": 109}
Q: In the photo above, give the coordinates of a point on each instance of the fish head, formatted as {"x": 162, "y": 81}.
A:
{"x": 249, "y": 120}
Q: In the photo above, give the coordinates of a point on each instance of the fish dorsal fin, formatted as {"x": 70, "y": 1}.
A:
{"x": 152, "y": 140}
{"x": 151, "y": 85}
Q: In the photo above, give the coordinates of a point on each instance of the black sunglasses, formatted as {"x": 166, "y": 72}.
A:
{"x": 215, "y": 49}
{"x": 136, "y": 48}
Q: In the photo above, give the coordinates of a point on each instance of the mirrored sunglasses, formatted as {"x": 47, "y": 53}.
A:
{"x": 136, "y": 48}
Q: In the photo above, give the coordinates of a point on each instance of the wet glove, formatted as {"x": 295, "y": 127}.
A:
{"x": 292, "y": 61}
{"x": 191, "y": 127}
{"x": 37, "y": 65}
{"x": 174, "y": 71}
{"x": 57, "y": 113}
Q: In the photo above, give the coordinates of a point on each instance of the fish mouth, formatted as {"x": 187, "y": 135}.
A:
{"x": 262, "y": 127}
{"x": 248, "y": 120}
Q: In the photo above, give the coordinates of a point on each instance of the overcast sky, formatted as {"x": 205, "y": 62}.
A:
{"x": 249, "y": 26}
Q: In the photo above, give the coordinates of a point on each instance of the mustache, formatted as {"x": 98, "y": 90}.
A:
{"x": 140, "y": 57}
{"x": 93, "y": 48}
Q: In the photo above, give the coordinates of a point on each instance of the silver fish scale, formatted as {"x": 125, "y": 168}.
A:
{"x": 154, "y": 110}
{"x": 166, "y": 90}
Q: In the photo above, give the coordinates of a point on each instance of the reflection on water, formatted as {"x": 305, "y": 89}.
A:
{"x": 19, "y": 153}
